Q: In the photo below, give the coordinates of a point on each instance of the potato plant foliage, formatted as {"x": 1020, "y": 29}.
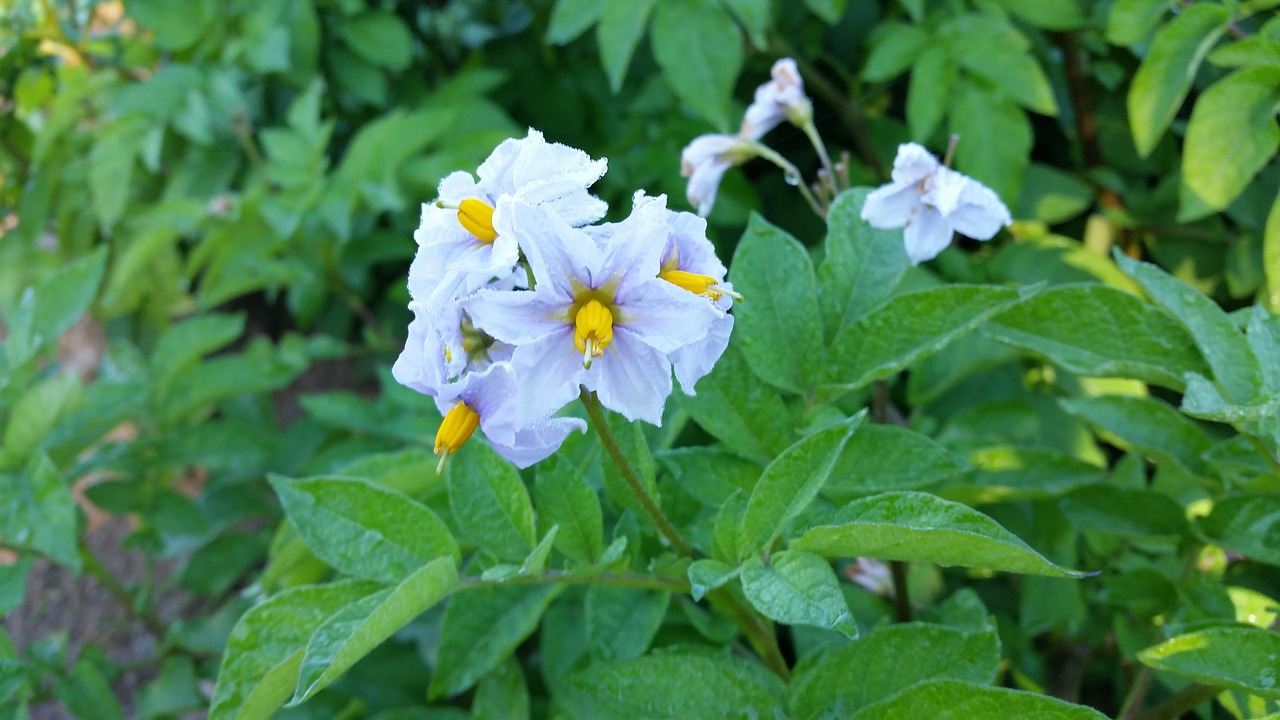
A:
{"x": 1033, "y": 476}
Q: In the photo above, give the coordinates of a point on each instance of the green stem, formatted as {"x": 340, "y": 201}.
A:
{"x": 629, "y": 474}
{"x": 559, "y": 577}
{"x": 815, "y": 139}
{"x": 1138, "y": 691}
{"x": 1183, "y": 702}
{"x": 759, "y": 632}
{"x": 793, "y": 176}
{"x": 901, "y": 591}
{"x": 120, "y": 594}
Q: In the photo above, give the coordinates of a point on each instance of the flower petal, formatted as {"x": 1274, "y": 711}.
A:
{"x": 926, "y": 235}
{"x": 635, "y": 379}
{"x": 663, "y": 316}
{"x": 516, "y": 316}
{"x": 891, "y": 206}
{"x": 693, "y": 362}
{"x": 548, "y": 374}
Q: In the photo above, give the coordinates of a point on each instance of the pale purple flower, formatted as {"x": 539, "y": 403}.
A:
{"x": 782, "y": 98}
{"x": 872, "y": 575}
{"x": 705, "y": 160}
{"x": 598, "y": 316}
{"x": 930, "y": 202}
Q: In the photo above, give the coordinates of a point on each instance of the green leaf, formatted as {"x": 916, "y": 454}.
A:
{"x": 920, "y": 527}
{"x": 829, "y": 10}
{"x": 955, "y": 700}
{"x": 1231, "y": 136}
{"x": 111, "y": 164}
{"x": 911, "y": 327}
{"x": 363, "y": 529}
{"x": 730, "y": 541}
{"x": 571, "y": 18}
{"x": 756, "y": 16}
{"x": 482, "y": 628}
{"x": 1165, "y": 75}
{"x": 1271, "y": 256}
{"x": 890, "y": 659}
{"x": 380, "y": 37}
{"x": 995, "y": 139}
{"x": 1242, "y": 657}
{"x": 779, "y": 328}
{"x": 1005, "y": 60}
{"x": 1130, "y": 21}
{"x": 894, "y": 46}
{"x": 38, "y": 410}
{"x": 182, "y": 345}
{"x": 260, "y": 666}
{"x": 792, "y": 481}
{"x": 1003, "y": 474}
{"x": 798, "y": 588}
{"x": 1247, "y": 524}
{"x": 565, "y": 499}
{"x": 1125, "y": 511}
{"x": 1253, "y": 51}
{"x": 65, "y": 296}
{"x": 708, "y": 474}
{"x": 621, "y": 622}
{"x": 502, "y": 694}
{"x": 1223, "y": 346}
{"x": 673, "y": 685}
{"x": 931, "y": 80}
{"x": 700, "y": 71}
{"x": 622, "y": 24}
{"x": 1060, "y": 15}
{"x": 176, "y": 26}
{"x": 635, "y": 448}
{"x": 1051, "y": 195}
{"x": 352, "y": 632}
{"x": 862, "y": 265}
{"x": 1263, "y": 335}
{"x": 1099, "y": 331}
{"x": 889, "y": 457}
{"x": 740, "y": 410}
{"x": 37, "y": 512}
{"x": 1147, "y": 424}
{"x": 707, "y": 575}
{"x": 1203, "y": 400}
{"x": 490, "y": 503}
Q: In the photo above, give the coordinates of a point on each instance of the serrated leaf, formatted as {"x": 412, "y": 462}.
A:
{"x": 798, "y": 588}
{"x": 954, "y": 700}
{"x": 363, "y": 529}
{"x": 791, "y": 482}
{"x": 779, "y": 328}
{"x": 481, "y": 629}
{"x": 740, "y": 410}
{"x": 571, "y": 18}
{"x": 888, "y": 660}
{"x": 700, "y": 71}
{"x": 352, "y": 632}
{"x": 1147, "y": 424}
{"x": 622, "y": 24}
{"x": 1099, "y": 331}
{"x": 1224, "y": 347}
{"x": 260, "y": 665}
{"x": 911, "y": 327}
{"x": 1231, "y": 136}
{"x": 566, "y": 500}
{"x": 889, "y": 457}
{"x": 621, "y": 622}
{"x": 1241, "y": 657}
{"x": 920, "y": 527}
{"x": 490, "y": 503}
{"x": 1247, "y": 524}
{"x": 1165, "y": 75}
{"x": 673, "y": 685}
{"x": 862, "y": 264}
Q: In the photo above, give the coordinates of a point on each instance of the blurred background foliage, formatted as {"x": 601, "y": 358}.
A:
{"x": 207, "y": 211}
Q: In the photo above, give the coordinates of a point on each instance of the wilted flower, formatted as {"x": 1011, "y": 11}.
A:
{"x": 931, "y": 201}
{"x": 782, "y": 98}
{"x": 598, "y": 316}
{"x": 704, "y": 161}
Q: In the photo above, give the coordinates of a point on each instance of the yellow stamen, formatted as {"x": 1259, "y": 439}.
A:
{"x": 455, "y": 429}
{"x": 698, "y": 284}
{"x": 477, "y": 217}
{"x": 593, "y": 330}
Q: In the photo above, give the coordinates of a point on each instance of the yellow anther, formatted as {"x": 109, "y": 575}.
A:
{"x": 593, "y": 330}
{"x": 698, "y": 284}
{"x": 455, "y": 429}
{"x": 477, "y": 217}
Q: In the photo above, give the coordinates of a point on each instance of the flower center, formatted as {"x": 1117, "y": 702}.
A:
{"x": 477, "y": 217}
{"x": 455, "y": 429}
{"x": 593, "y": 330}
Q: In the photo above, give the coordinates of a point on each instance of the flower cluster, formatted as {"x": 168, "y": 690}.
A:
{"x": 705, "y": 160}
{"x": 520, "y": 303}
{"x": 930, "y": 201}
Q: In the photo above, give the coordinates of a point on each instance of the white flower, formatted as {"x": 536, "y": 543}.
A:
{"x": 931, "y": 201}
{"x": 704, "y": 161}
{"x": 486, "y": 399}
{"x": 598, "y": 316}
{"x": 782, "y": 98}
